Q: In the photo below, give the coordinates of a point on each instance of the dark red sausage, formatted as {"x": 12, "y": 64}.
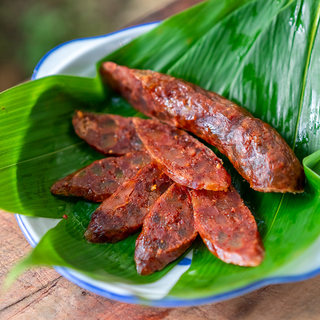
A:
{"x": 255, "y": 149}
{"x": 183, "y": 158}
{"x": 107, "y": 133}
{"x": 227, "y": 227}
{"x": 168, "y": 231}
{"x": 123, "y": 212}
{"x": 100, "y": 179}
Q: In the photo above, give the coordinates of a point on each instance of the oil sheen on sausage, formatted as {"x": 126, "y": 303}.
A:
{"x": 227, "y": 227}
{"x": 183, "y": 158}
{"x": 102, "y": 178}
{"x": 167, "y": 232}
{"x": 107, "y": 133}
{"x": 255, "y": 149}
{"x": 123, "y": 212}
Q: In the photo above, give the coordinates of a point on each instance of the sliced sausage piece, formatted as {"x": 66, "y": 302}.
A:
{"x": 183, "y": 158}
{"x": 107, "y": 133}
{"x": 102, "y": 178}
{"x": 123, "y": 212}
{"x": 168, "y": 231}
{"x": 227, "y": 227}
{"x": 255, "y": 149}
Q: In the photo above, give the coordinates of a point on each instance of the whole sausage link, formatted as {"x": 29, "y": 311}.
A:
{"x": 255, "y": 149}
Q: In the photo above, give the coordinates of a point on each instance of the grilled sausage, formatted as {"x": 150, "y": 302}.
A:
{"x": 123, "y": 212}
{"x": 107, "y": 133}
{"x": 183, "y": 158}
{"x": 168, "y": 231}
{"x": 102, "y": 178}
{"x": 227, "y": 227}
{"x": 255, "y": 149}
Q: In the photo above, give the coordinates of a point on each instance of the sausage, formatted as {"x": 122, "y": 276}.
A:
{"x": 183, "y": 158}
{"x": 123, "y": 212}
{"x": 227, "y": 227}
{"x": 100, "y": 179}
{"x": 254, "y": 148}
{"x": 167, "y": 232}
{"x": 107, "y": 133}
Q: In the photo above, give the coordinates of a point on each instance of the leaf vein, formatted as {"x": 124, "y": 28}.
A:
{"x": 42, "y": 155}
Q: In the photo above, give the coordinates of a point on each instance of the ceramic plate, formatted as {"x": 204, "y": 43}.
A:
{"x": 78, "y": 57}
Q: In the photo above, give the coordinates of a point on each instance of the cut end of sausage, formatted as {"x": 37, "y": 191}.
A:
{"x": 168, "y": 231}
{"x": 124, "y": 211}
{"x": 107, "y": 133}
{"x": 182, "y": 157}
{"x": 227, "y": 227}
{"x": 99, "y": 180}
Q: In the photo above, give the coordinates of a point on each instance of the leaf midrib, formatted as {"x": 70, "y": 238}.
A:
{"x": 305, "y": 73}
{"x": 314, "y": 29}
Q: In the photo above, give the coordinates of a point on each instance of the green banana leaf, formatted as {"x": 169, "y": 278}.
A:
{"x": 264, "y": 55}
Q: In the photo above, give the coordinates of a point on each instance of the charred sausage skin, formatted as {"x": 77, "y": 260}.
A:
{"x": 107, "y": 133}
{"x": 168, "y": 231}
{"x": 123, "y": 212}
{"x": 227, "y": 227}
{"x": 102, "y": 178}
{"x": 183, "y": 158}
{"x": 254, "y": 148}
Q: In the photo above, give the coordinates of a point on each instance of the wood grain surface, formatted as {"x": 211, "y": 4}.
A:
{"x": 43, "y": 294}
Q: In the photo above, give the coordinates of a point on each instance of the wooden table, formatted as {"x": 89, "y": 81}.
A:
{"x": 43, "y": 294}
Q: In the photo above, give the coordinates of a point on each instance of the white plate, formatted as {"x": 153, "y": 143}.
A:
{"x": 78, "y": 57}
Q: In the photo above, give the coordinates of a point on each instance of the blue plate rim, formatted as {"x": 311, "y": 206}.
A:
{"x": 167, "y": 301}
{"x": 41, "y": 61}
